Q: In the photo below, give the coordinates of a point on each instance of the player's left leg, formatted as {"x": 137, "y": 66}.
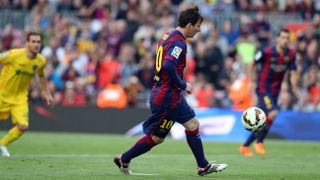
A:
{"x": 20, "y": 119}
{"x": 4, "y": 150}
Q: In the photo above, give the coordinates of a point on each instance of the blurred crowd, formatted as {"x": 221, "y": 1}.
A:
{"x": 102, "y": 53}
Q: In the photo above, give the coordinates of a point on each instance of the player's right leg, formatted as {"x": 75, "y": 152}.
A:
{"x": 270, "y": 107}
{"x": 245, "y": 148}
{"x": 19, "y": 114}
{"x": 4, "y": 150}
{"x": 4, "y": 115}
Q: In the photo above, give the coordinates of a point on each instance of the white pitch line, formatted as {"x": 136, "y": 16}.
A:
{"x": 85, "y": 155}
{"x": 143, "y": 174}
{"x": 62, "y": 155}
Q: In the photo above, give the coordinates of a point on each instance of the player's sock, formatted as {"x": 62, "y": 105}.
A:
{"x": 195, "y": 144}
{"x": 13, "y": 134}
{"x": 143, "y": 145}
{"x": 264, "y": 132}
{"x": 250, "y": 139}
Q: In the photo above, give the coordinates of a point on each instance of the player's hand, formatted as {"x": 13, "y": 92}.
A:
{"x": 297, "y": 93}
{"x": 189, "y": 88}
{"x": 49, "y": 100}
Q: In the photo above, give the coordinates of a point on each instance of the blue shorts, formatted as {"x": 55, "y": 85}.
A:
{"x": 162, "y": 118}
{"x": 267, "y": 103}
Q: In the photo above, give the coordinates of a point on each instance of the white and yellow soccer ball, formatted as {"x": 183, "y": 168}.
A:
{"x": 253, "y": 119}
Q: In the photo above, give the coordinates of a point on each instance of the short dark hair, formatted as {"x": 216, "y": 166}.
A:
{"x": 283, "y": 30}
{"x": 190, "y": 15}
{"x": 32, "y": 33}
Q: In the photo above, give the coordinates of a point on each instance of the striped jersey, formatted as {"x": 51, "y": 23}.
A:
{"x": 171, "y": 47}
{"x": 272, "y": 66}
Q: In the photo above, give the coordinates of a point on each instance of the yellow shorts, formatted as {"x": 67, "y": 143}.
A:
{"x": 19, "y": 113}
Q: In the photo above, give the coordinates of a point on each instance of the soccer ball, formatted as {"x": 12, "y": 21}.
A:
{"x": 253, "y": 119}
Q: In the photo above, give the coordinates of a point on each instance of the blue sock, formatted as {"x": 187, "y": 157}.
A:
{"x": 263, "y": 133}
{"x": 250, "y": 139}
{"x": 195, "y": 144}
{"x": 143, "y": 145}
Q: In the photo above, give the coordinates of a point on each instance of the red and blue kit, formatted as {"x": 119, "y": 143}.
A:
{"x": 167, "y": 103}
{"x": 272, "y": 66}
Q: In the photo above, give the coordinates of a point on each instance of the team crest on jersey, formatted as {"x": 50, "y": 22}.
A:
{"x": 176, "y": 52}
{"x": 35, "y": 67}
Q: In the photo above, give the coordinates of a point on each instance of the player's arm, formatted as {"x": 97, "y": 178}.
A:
{"x": 252, "y": 70}
{"x": 169, "y": 64}
{"x": 170, "y": 68}
{"x": 294, "y": 78}
{"x": 44, "y": 86}
{"x": 294, "y": 75}
{"x": 252, "y": 76}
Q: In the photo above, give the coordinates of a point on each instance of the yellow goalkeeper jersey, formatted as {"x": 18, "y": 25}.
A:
{"x": 16, "y": 74}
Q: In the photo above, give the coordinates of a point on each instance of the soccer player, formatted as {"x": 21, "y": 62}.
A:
{"x": 269, "y": 68}
{"x": 19, "y": 67}
{"x": 167, "y": 103}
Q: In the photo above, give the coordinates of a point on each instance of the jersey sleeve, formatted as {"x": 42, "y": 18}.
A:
{"x": 175, "y": 50}
{"x": 171, "y": 70}
{"x": 5, "y": 57}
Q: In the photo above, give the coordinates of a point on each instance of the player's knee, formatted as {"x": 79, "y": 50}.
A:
{"x": 157, "y": 140}
{"x": 192, "y": 125}
{"x": 22, "y": 128}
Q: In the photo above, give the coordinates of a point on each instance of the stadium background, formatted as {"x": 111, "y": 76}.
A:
{"x": 100, "y": 53}
{"x": 90, "y": 43}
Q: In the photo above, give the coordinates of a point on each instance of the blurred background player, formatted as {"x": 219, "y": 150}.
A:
{"x": 268, "y": 71}
{"x": 19, "y": 67}
{"x": 167, "y": 103}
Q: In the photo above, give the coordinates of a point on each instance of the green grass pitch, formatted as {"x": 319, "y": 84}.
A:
{"x": 90, "y": 156}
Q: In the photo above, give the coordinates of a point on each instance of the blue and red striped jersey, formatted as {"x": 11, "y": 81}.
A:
{"x": 272, "y": 66}
{"x": 168, "y": 82}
